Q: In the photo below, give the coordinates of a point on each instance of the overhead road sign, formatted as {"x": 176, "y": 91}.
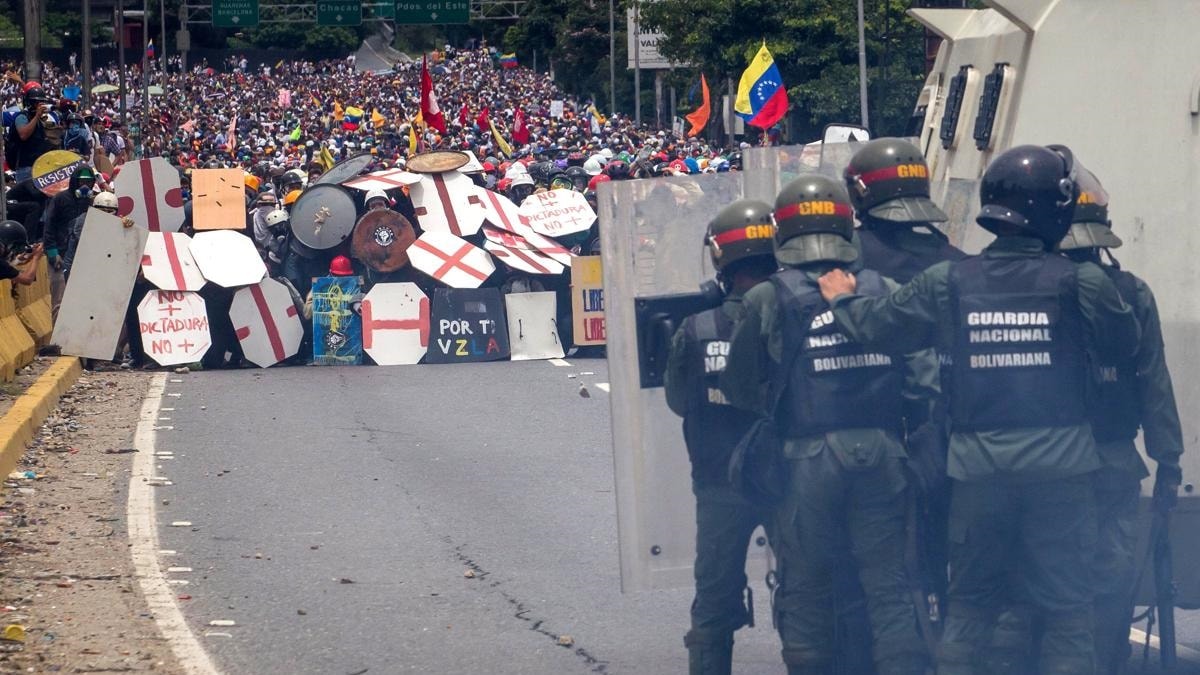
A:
{"x": 339, "y": 12}
{"x": 234, "y": 13}
{"x": 433, "y": 11}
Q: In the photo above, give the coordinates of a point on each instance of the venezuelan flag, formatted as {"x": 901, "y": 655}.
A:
{"x": 508, "y": 60}
{"x": 761, "y": 97}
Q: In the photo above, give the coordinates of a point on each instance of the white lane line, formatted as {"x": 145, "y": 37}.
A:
{"x": 602, "y": 386}
{"x": 143, "y": 537}
{"x": 1186, "y": 653}
{"x": 559, "y": 363}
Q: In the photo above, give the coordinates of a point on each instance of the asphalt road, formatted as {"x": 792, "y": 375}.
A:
{"x": 432, "y": 519}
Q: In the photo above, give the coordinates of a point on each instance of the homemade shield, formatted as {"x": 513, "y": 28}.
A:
{"x": 102, "y": 276}
{"x": 148, "y": 192}
{"x": 556, "y": 213}
{"x": 451, "y": 260}
{"x": 533, "y": 326}
{"x": 389, "y": 179}
{"x": 395, "y": 324}
{"x": 337, "y": 328}
{"x": 53, "y": 170}
{"x": 218, "y": 199}
{"x": 438, "y": 161}
{"x": 381, "y": 240}
{"x": 345, "y": 170}
{"x": 467, "y": 326}
{"x": 323, "y": 216}
{"x": 228, "y": 258}
{"x": 168, "y": 263}
{"x": 524, "y": 260}
{"x": 174, "y": 327}
{"x": 652, "y": 233}
{"x": 587, "y": 301}
{"x": 266, "y": 322}
{"x": 447, "y": 202}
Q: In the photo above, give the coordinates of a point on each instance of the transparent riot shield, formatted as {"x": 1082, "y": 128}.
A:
{"x": 652, "y": 234}
{"x": 770, "y": 168}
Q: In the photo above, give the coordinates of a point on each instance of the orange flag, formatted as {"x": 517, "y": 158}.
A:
{"x": 700, "y": 118}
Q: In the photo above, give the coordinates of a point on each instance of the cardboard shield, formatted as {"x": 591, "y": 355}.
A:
{"x": 218, "y": 199}
{"x": 389, "y": 179}
{"x": 395, "y": 324}
{"x": 337, "y": 327}
{"x": 168, "y": 263}
{"x": 467, "y": 325}
{"x": 556, "y": 213}
{"x": 53, "y": 170}
{"x": 266, "y": 322}
{"x": 93, "y": 306}
{"x": 451, "y": 260}
{"x": 533, "y": 326}
{"x": 523, "y": 260}
{"x": 323, "y": 216}
{"x": 148, "y": 192}
{"x": 587, "y": 301}
{"x": 381, "y": 240}
{"x": 174, "y": 327}
{"x": 447, "y": 202}
{"x": 345, "y": 170}
{"x": 500, "y": 211}
{"x": 438, "y": 161}
{"x": 228, "y": 258}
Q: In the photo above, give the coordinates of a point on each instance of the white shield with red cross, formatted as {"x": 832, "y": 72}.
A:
{"x": 451, "y": 260}
{"x": 529, "y": 240}
{"x": 447, "y": 202}
{"x": 524, "y": 260}
{"x": 556, "y": 213}
{"x": 500, "y": 211}
{"x": 395, "y": 324}
{"x": 168, "y": 263}
{"x": 228, "y": 258}
{"x": 389, "y": 179}
{"x": 266, "y": 323}
{"x": 174, "y": 327}
{"x": 148, "y": 192}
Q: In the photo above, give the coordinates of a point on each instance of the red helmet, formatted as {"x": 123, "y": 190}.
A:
{"x": 340, "y": 267}
{"x": 30, "y": 86}
{"x": 597, "y": 180}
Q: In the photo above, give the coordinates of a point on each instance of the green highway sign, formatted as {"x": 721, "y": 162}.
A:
{"x": 384, "y": 10}
{"x": 433, "y": 11}
{"x": 339, "y": 12}
{"x": 234, "y": 13}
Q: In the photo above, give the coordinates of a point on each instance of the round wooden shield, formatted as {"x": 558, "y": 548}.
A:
{"x": 53, "y": 170}
{"x": 323, "y": 216}
{"x": 381, "y": 240}
{"x": 438, "y": 161}
{"x": 345, "y": 170}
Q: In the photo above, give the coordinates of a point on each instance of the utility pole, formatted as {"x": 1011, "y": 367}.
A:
{"x": 612, "y": 59}
{"x": 162, "y": 41}
{"x": 862, "y": 67}
{"x": 87, "y": 53}
{"x": 33, "y": 40}
{"x": 637, "y": 64}
{"x": 121, "y": 58}
{"x": 145, "y": 125}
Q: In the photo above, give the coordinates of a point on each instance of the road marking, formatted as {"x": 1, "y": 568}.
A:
{"x": 143, "y": 537}
{"x": 1187, "y": 653}
{"x": 559, "y": 362}
{"x": 602, "y": 386}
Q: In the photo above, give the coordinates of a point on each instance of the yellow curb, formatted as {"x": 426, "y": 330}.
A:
{"x": 30, "y": 410}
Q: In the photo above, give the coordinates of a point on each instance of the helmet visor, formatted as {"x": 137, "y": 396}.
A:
{"x": 909, "y": 210}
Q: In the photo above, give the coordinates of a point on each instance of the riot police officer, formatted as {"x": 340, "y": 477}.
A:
{"x": 740, "y": 241}
{"x": 1019, "y": 323}
{"x": 838, "y": 409}
{"x": 1133, "y": 392}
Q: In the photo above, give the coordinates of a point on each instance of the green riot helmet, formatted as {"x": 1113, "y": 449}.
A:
{"x": 1090, "y": 226}
{"x": 739, "y": 231}
{"x": 888, "y": 180}
{"x": 814, "y": 221}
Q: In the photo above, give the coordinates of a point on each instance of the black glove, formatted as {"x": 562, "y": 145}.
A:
{"x": 1166, "y": 487}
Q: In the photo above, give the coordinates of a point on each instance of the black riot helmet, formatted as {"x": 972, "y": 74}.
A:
{"x": 888, "y": 180}
{"x": 1030, "y": 188}
{"x": 617, "y": 170}
{"x": 13, "y": 239}
{"x": 814, "y": 222}
{"x": 739, "y": 231}
{"x": 579, "y": 177}
{"x": 1090, "y": 226}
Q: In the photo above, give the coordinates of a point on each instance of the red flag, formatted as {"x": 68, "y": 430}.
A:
{"x": 429, "y": 104}
{"x": 482, "y": 120}
{"x": 699, "y": 118}
{"x": 463, "y": 115}
{"x": 520, "y": 132}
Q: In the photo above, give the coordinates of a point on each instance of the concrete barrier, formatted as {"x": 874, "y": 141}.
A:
{"x": 33, "y": 305}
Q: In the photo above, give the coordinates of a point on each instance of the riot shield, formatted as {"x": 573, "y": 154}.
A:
{"x": 652, "y": 234}
{"x": 770, "y": 168}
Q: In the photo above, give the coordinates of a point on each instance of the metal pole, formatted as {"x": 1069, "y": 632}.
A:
{"x": 3, "y": 186}
{"x": 674, "y": 110}
{"x": 612, "y": 60}
{"x": 658, "y": 98}
{"x": 637, "y": 65}
{"x": 729, "y": 99}
{"x": 145, "y": 126}
{"x": 121, "y": 58}
{"x": 33, "y": 40}
{"x": 862, "y": 67}
{"x": 162, "y": 39}
{"x": 87, "y": 53}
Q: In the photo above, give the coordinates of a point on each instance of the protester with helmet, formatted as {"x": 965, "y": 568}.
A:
{"x": 377, "y": 199}
{"x": 1019, "y": 324}
{"x": 14, "y": 243}
{"x": 30, "y": 136}
{"x": 837, "y": 405}
{"x": 740, "y": 243}
{"x": 579, "y": 178}
{"x": 1133, "y": 392}
{"x": 617, "y": 169}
